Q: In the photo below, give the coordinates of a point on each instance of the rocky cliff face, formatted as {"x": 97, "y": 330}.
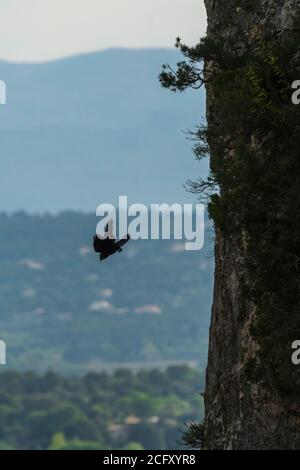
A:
{"x": 242, "y": 414}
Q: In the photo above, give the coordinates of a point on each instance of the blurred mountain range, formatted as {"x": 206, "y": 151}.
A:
{"x": 83, "y": 130}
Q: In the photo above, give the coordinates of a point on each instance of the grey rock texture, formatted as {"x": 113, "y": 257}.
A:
{"x": 242, "y": 414}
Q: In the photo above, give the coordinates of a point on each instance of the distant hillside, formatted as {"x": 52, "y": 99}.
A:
{"x": 81, "y": 131}
{"x": 60, "y": 308}
{"x": 124, "y": 411}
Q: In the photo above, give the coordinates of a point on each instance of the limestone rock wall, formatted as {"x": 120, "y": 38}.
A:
{"x": 242, "y": 414}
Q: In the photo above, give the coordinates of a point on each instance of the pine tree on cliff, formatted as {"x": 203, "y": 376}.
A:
{"x": 248, "y": 63}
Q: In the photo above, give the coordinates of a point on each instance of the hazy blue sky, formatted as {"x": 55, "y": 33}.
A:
{"x": 39, "y": 30}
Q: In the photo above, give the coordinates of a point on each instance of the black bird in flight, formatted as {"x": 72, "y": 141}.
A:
{"x": 109, "y": 245}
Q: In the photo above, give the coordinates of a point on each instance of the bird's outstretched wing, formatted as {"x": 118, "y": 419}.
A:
{"x": 122, "y": 242}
